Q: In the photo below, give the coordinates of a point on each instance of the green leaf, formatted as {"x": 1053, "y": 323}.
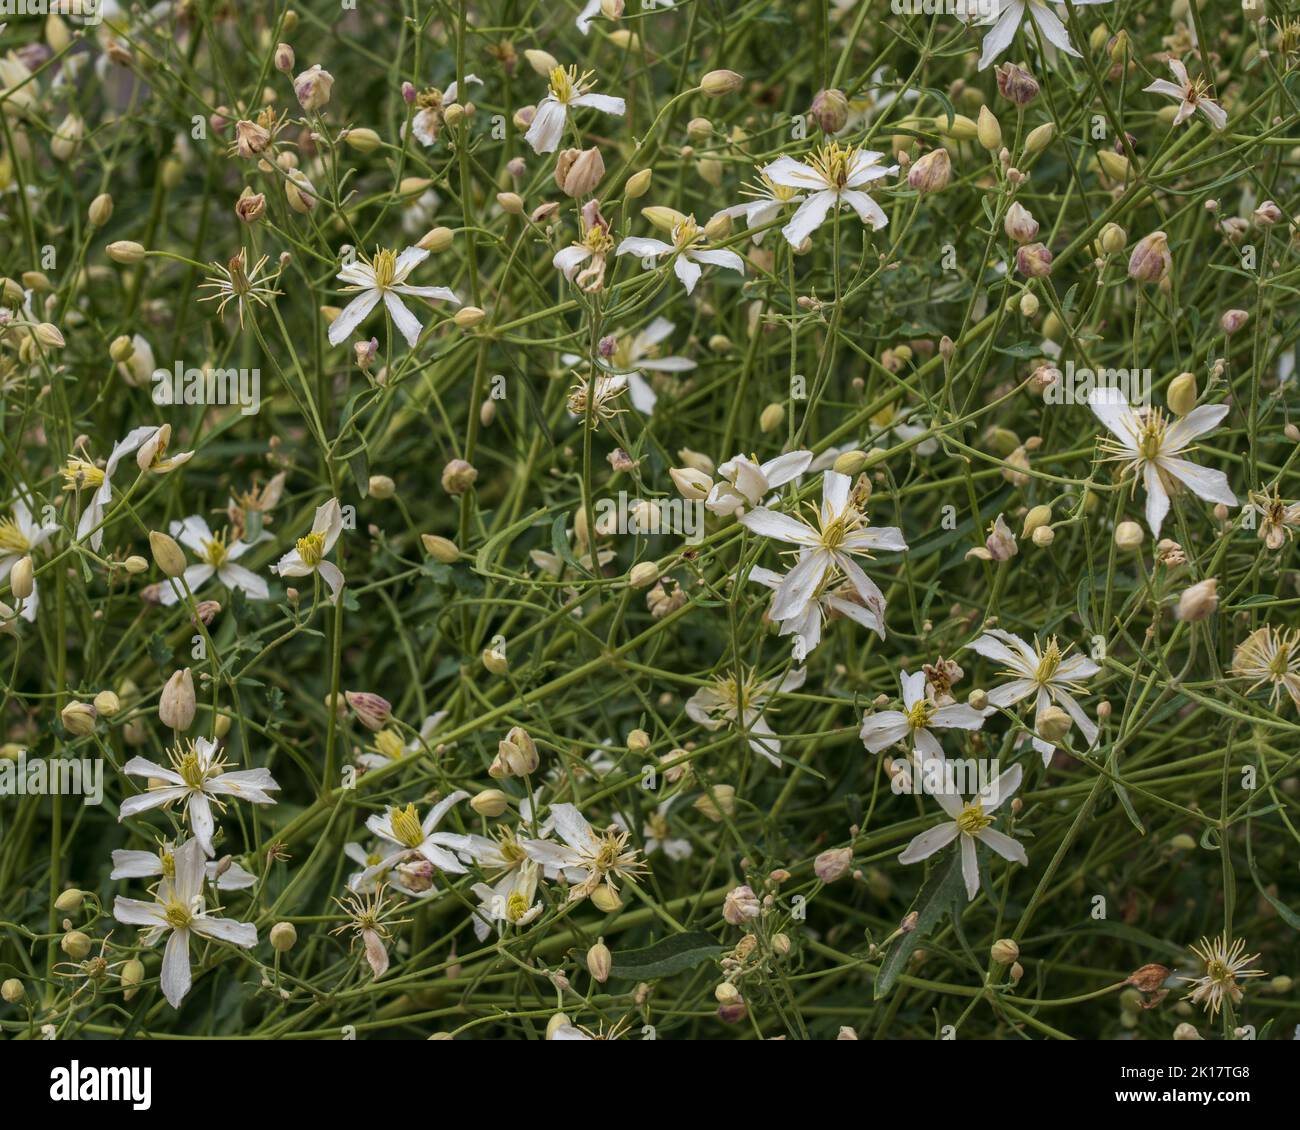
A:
{"x": 665, "y": 958}
{"x": 943, "y": 893}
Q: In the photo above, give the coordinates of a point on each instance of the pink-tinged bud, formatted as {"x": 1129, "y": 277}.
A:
{"x": 834, "y": 864}
{"x": 1016, "y": 84}
{"x": 830, "y": 110}
{"x": 284, "y": 58}
{"x": 409, "y": 93}
{"x": 516, "y": 755}
{"x": 1150, "y": 261}
{"x": 458, "y": 476}
{"x": 312, "y": 88}
{"x": 579, "y": 171}
{"x": 1233, "y": 320}
{"x": 932, "y": 173}
{"x": 740, "y": 905}
{"x": 251, "y": 139}
{"x": 1267, "y": 214}
{"x": 1034, "y": 261}
{"x": 416, "y": 876}
{"x": 1019, "y": 224}
{"x": 372, "y": 711}
{"x": 732, "y": 1013}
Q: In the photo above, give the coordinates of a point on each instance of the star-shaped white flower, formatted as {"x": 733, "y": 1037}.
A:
{"x": 743, "y": 705}
{"x": 585, "y": 858}
{"x": 971, "y": 822}
{"x": 198, "y": 779}
{"x": 768, "y": 200}
{"x": 916, "y": 721}
{"x": 179, "y": 909}
{"x": 568, "y": 90}
{"x": 414, "y": 837}
{"x": 215, "y": 557}
{"x": 308, "y": 555}
{"x": 1048, "y": 675}
{"x": 383, "y": 278}
{"x": 1192, "y": 93}
{"x": 834, "y": 176}
{"x": 1150, "y": 444}
{"x": 841, "y": 533}
{"x": 686, "y": 250}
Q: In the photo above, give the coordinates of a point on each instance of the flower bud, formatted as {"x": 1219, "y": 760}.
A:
{"x": 1114, "y": 165}
{"x": 312, "y": 88}
{"x": 516, "y": 755}
{"x": 1052, "y": 724}
{"x": 578, "y": 172}
{"x": 107, "y": 704}
{"x": 989, "y": 131}
{"x": 168, "y": 556}
{"x": 1004, "y": 951}
{"x": 22, "y": 581}
{"x": 362, "y": 140}
{"x": 932, "y": 173}
{"x": 543, "y": 62}
{"x": 495, "y": 661}
{"x": 12, "y": 991}
{"x": 1112, "y": 239}
{"x": 606, "y": 900}
{"x": 1200, "y": 601}
{"x": 1016, "y": 84}
{"x": 284, "y": 58}
{"x": 718, "y": 83}
{"x": 125, "y": 251}
{"x": 78, "y": 718}
{"x": 75, "y": 944}
{"x": 1150, "y": 260}
{"x": 599, "y": 960}
{"x": 69, "y": 900}
{"x": 489, "y": 802}
{"x": 690, "y": 483}
{"x": 643, "y": 574}
{"x": 1034, "y": 261}
{"x": 833, "y": 864}
{"x": 1232, "y": 321}
{"x": 372, "y": 711}
{"x": 1040, "y": 138}
{"x": 284, "y": 936}
{"x": 830, "y": 110}
{"x": 1020, "y": 224}
{"x": 441, "y": 549}
{"x": 1037, "y": 516}
{"x": 101, "y": 210}
{"x": 468, "y": 316}
{"x": 772, "y": 417}
{"x": 741, "y": 905}
{"x": 715, "y": 802}
{"x": 638, "y": 184}
{"x": 458, "y": 476}
{"x": 176, "y": 704}
{"x": 1181, "y": 396}
{"x": 436, "y": 240}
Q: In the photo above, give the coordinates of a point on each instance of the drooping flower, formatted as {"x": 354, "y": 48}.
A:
{"x": 916, "y": 721}
{"x": 196, "y": 778}
{"x": 743, "y": 702}
{"x": 383, "y": 278}
{"x": 839, "y": 534}
{"x": 1225, "y": 965}
{"x": 371, "y": 916}
{"x": 236, "y": 283}
{"x": 834, "y": 176}
{"x": 1150, "y": 445}
{"x": 970, "y": 823}
{"x": 586, "y": 859}
{"x": 744, "y": 482}
{"x": 1049, "y": 675}
{"x": 80, "y": 472}
{"x": 308, "y": 555}
{"x": 431, "y": 105}
{"x": 215, "y": 556}
{"x": 568, "y": 90}
{"x": 1193, "y": 94}
{"x": 687, "y": 250}
{"x": 594, "y": 244}
{"x": 179, "y": 910}
{"x": 1277, "y": 519}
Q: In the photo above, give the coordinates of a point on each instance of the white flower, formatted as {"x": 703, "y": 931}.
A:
{"x": 916, "y": 720}
{"x": 1007, "y": 23}
{"x": 843, "y": 600}
{"x": 568, "y": 90}
{"x": 585, "y": 858}
{"x": 509, "y": 901}
{"x": 687, "y": 253}
{"x": 415, "y": 837}
{"x": 1150, "y": 444}
{"x": 743, "y": 705}
{"x": 427, "y": 121}
{"x": 179, "y": 907}
{"x": 79, "y": 473}
{"x": 634, "y": 352}
{"x": 1192, "y": 93}
{"x": 769, "y": 198}
{"x": 1225, "y": 964}
{"x": 594, "y": 244}
{"x": 970, "y": 822}
{"x": 1048, "y": 675}
{"x": 833, "y": 176}
{"x": 215, "y": 556}
{"x": 840, "y": 533}
{"x": 384, "y": 277}
{"x": 744, "y": 483}
{"x": 146, "y": 864}
{"x": 198, "y": 779}
{"x": 656, "y": 836}
{"x": 308, "y": 555}
{"x": 19, "y": 535}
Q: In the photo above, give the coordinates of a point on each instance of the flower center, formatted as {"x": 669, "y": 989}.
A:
{"x": 406, "y": 826}
{"x": 215, "y": 551}
{"x": 178, "y": 915}
{"x": 1048, "y": 662}
{"x": 1151, "y": 435}
{"x": 567, "y": 84}
{"x": 79, "y": 473}
{"x": 832, "y": 163}
{"x": 920, "y": 715}
{"x": 685, "y": 233}
{"x": 971, "y": 819}
{"x": 312, "y": 549}
{"x": 12, "y": 539}
{"x": 516, "y": 906}
{"x": 385, "y": 267}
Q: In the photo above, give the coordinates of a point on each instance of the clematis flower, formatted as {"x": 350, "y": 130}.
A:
{"x": 686, "y": 250}
{"x": 1225, "y": 964}
{"x": 1192, "y": 93}
{"x": 152, "y": 454}
{"x": 768, "y": 199}
{"x": 1151, "y": 444}
{"x": 1007, "y": 21}
{"x": 586, "y": 859}
{"x": 308, "y": 556}
{"x": 414, "y": 838}
{"x": 568, "y": 90}
{"x": 146, "y": 864}
{"x": 383, "y": 278}
{"x": 1270, "y": 656}
{"x": 841, "y": 532}
{"x": 511, "y": 900}
{"x": 593, "y": 247}
{"x": 916, "y": 722}
{"x": 19, "y": 535}
{"x": 178, "y": 909}
{"x": 745, "y": 483}
{"x": 743, "y": 704}
{"x": 830, "y": 604}
{"x": 431, "y": 104}
{"x": 215, "y": 557}
{"x": 833, "y": 177}
{"x": 1047, "y": 674}
{"x": 625, "y": 355}
{"x": 970, "y": 823}
{"x": 80, "y": 472}
{"x": 198, "y": 779}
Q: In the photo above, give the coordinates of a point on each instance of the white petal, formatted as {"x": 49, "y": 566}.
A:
{"x": 353, "y": 314}
{"x": 928, "y": 842}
